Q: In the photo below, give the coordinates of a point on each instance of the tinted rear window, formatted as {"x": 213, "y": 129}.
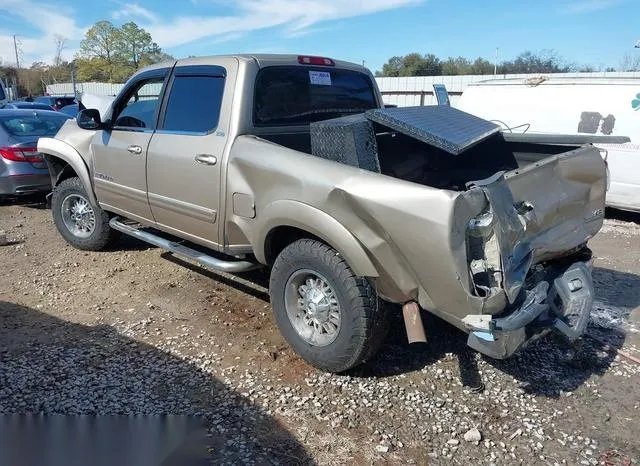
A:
{"x": 298, "y": 95}
{"x": 32, "y": 125}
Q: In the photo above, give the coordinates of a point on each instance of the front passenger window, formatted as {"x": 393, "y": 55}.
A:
{"x": 141, "y": 104}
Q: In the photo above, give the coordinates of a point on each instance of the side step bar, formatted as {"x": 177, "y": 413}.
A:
{"x": 203, "y": 259}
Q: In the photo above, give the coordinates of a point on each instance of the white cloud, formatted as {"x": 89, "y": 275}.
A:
{"x": 589, "y": 6}
{"x": 50, "y": 20}
{"x": 131, "y": 10}
{"x": 296, "y": 15}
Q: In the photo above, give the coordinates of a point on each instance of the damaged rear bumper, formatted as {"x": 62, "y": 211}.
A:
{"x": 561, "y": 299}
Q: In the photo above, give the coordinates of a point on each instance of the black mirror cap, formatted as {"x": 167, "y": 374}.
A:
{"x": 89, "y": 119}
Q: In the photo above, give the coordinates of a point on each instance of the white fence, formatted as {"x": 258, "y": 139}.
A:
{"x": 418, "y": 90}
{"x": 410, "y": 91}
{"x": 91, "y": 88}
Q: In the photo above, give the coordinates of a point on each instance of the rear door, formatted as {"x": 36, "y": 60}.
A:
{"x": 185, "y": 156}
{"x": 120, "y": 152}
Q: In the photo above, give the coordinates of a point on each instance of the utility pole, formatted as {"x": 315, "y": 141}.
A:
{"x": 495, "y": 64}
{"x": 15, "y": 48}
{"x": 73, "y": 82}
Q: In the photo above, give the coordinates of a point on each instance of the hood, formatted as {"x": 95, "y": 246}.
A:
{"x": 100, "y": 102}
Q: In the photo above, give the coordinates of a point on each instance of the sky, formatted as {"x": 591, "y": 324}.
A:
{"x": 594, "y": 32}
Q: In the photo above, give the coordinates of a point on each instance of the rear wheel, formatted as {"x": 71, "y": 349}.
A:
{"x": 83, "y": 224}
{"x": 331, "y": 317}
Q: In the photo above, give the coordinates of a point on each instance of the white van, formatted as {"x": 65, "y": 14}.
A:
{"x": 581, "y": 105}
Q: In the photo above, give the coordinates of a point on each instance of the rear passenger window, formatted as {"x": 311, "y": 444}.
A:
{"x": 194, "y": 104}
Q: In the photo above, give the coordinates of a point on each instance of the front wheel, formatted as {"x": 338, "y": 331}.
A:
{"x": 331, "y": 317}
{"x": 82, "y": 224}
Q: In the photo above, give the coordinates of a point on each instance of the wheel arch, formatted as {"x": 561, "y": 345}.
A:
{"x": 65, "y": 162}
{"x": 287, "y": 221}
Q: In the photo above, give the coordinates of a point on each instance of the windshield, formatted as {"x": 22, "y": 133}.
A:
{"x": 298, "y": 95}
{"x": 32, "y": 124}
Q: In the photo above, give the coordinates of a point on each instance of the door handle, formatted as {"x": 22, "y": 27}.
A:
{"x": 137, "y": 150}
{"x": 206, "y": 159}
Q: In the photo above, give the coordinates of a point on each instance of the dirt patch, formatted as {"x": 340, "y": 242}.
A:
{"x": 208, "y": 343}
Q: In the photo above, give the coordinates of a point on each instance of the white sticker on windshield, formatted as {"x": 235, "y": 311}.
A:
{"x": 321, "y": 78}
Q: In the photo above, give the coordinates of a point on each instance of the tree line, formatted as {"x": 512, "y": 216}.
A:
{"x": 547, "y": 61}
{"x": 107, "y": 54}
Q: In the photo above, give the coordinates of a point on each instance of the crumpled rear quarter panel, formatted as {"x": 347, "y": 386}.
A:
{"x": 413, "y": 234}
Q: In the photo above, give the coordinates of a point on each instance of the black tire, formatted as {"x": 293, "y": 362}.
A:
{"x": 101, "y": 235}
{"x": 363, "y": 322}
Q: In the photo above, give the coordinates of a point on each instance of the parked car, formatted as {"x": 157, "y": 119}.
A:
{"x": 26, "y": 105}
{"x": 22, "y": 168}
{"x": 293, "y": 163}
{"x": 56, "y": 101}
{"x": 71, "y": 110}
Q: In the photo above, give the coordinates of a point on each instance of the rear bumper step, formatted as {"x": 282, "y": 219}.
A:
{"x": 201, "y": 258}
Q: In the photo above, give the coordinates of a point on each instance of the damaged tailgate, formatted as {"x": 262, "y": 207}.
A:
{"x": 544, "y": 210}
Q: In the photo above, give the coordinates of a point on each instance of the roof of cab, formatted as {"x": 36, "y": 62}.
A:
{"x": 262, "y": 60}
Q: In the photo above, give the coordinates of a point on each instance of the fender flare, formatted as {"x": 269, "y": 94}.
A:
{"x": 60, "y": 149}
{"x": 305, "y": 217}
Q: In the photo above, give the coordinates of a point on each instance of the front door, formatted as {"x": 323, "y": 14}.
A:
{"x": 185, "y": 156}
{"x": 120, "y": 152}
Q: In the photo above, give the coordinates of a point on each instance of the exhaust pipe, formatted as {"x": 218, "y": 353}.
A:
{"x": 413, "y": 323}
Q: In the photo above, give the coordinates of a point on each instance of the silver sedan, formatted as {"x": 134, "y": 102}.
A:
{"x": 22, "y": 168}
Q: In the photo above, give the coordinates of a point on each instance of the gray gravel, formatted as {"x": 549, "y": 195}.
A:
{"x": 54, "y": 367}
{"x": 133, "y": 352}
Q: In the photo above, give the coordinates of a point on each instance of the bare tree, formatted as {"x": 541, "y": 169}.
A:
{"x": 60, "y": 42}
{"x": 630, "y": 62}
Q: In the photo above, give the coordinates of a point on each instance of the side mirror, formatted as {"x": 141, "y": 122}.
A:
{"x": 89, "y": 119}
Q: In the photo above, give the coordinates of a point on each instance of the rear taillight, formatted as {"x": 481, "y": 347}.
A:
{"x": 21, "y": 154}
{"x": 321, "y": 61}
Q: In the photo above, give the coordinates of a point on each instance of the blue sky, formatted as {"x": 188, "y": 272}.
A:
{"x": 596, "y": 32}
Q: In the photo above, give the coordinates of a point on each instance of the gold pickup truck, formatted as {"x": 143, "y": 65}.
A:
{"x": 293, "y": 163}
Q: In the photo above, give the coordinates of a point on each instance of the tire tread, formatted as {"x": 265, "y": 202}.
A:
{"x": 369, "y": 322}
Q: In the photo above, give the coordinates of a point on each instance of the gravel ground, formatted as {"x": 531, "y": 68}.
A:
{"x": 132, "y": 330}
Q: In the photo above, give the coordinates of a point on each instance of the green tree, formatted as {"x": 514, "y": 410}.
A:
{"x": 108, "y": 53}
{"x": 392, "y": 67}
{"x": 412, "y": 64}
{"x": 135, "y": 44}
{"x": 481, "y": 66}
{"x": 456, "y": 66}
{"x": 546, "y": 61}
{"x": 98, "y": 51}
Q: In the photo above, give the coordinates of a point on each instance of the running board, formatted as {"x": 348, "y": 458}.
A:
{"x": 177, "y": 248}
